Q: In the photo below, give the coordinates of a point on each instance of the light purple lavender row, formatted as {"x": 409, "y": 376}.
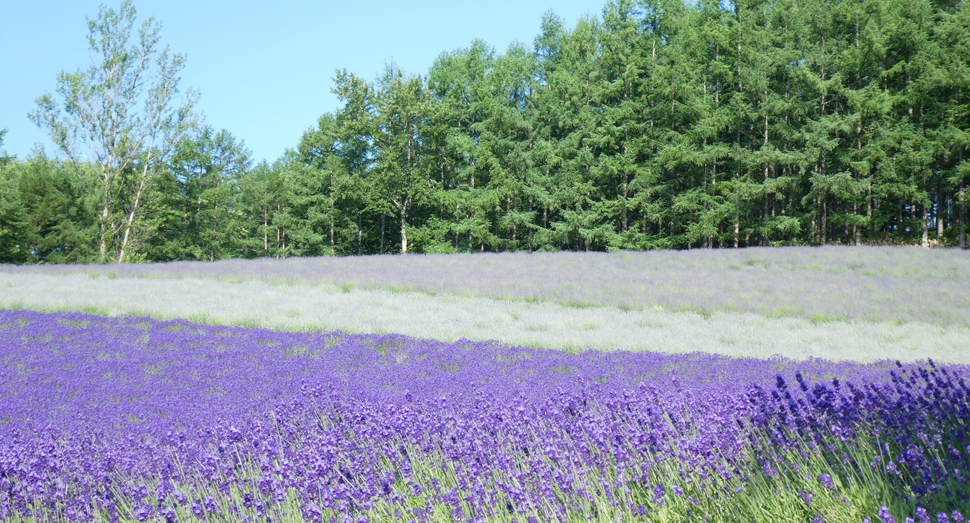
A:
{"x": 884, "y": 283}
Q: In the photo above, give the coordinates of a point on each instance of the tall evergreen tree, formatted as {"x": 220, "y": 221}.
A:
{"x": 618, "y": 134}
{"x": 13, "y": 244}
{"x": 198, "y": 198}
{"x": 259, "y": 200}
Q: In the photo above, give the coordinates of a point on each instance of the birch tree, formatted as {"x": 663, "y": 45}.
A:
{"x": 121, "y": 114}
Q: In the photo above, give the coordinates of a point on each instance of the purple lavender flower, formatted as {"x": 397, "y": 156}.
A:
{"x": 885, "y": 515}
{"x": 92, "y": 406}
{"x": 168, "y": 514}
{"x": 826, "y": 481}
{"x": 311, "y": 511}
{"x": 143, "y": 513}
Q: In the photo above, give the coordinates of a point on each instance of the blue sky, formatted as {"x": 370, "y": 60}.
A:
{"x": 263, "y": 69}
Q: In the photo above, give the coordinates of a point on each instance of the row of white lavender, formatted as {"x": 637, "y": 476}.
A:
{"x": 827, "y": 283}
{"x": 123, "y": 419}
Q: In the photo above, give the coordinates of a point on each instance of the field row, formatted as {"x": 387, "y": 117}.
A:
{"x": 124, "y": 419}
{"x": 449, "y": 317}
{"x": 821, "y": 284}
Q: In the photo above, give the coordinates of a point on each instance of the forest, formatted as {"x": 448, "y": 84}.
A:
{"x": 660, "y": 124}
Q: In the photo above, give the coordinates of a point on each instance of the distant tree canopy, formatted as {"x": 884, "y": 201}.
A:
{"x": 657, "y": 125}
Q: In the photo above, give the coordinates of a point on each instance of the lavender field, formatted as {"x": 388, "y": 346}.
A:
{"x": 133, "y": 419}
{"x": 860, "y": 304}
{"x": 801, "y": 385}
{"x": 819, "y": 283}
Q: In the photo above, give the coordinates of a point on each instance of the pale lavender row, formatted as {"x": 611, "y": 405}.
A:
{"x": 93, "y": 410}
{"x": 883, "y": 283}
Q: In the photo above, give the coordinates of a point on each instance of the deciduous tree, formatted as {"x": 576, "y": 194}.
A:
{"x": 123, "y": 110}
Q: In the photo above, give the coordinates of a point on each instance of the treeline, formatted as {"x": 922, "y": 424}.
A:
{"x": 657, "y": 125}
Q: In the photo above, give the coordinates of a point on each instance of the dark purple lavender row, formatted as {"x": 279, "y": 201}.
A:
{"x": 124, "y": 374}
{"x": 131, "y": 417}
{"x": 919, "y": 420}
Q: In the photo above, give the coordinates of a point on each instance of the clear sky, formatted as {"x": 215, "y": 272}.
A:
{"x": 263, "y": 69}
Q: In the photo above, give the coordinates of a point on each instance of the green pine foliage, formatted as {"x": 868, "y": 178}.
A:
{"x": 659, "y": 124}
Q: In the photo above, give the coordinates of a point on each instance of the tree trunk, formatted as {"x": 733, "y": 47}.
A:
{"x": 856, "y": 230}
{"x": 623, "y": 219}
{"x": 925, "y": 240}
{"x": 131, "y": 219}
{"x": 961, "y": 221}
{"x": 107, "y": 177}
{"x": 824, "y": 221}
{"x": 737, "y": 226}
{"x": 941, "y": 211}
{"x": 710, "y": 239}
{"x": 508, "y": 208}
{"x": 103, "y": 232}
{"x": 404, "y": 230}
{"x": 872, "y": 225}
{"x": 142, "y": 187}
{"x": 333, "y": 210}
{"x": 215, "y": 231}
